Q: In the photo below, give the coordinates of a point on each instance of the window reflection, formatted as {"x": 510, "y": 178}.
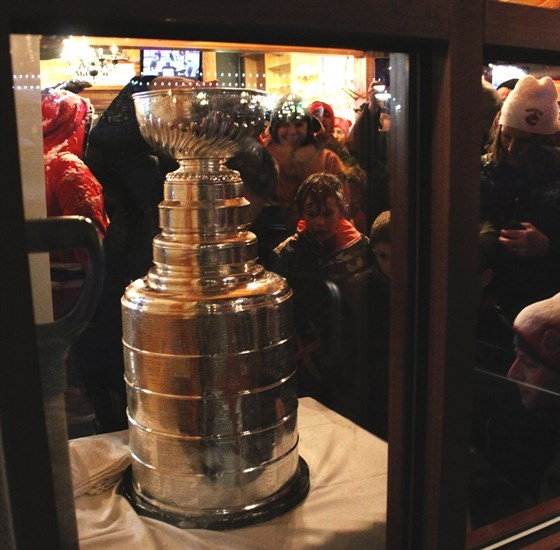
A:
{"x": 515, "y": 444}
{"x": 330, "y": 106}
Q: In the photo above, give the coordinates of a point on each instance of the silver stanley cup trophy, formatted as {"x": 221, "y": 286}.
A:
{"x": 208, "y": 333}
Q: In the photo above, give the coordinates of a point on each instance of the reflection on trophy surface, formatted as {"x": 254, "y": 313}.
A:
{"x": 208, "y": 333}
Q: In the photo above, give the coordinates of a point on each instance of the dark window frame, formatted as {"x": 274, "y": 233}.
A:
{"x": 432, "y": 378}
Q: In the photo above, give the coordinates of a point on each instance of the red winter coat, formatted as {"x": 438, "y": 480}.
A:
{"x": 71, "y": 189}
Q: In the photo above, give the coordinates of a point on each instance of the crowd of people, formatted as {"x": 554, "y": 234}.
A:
{"x": 515, "y": 440}
{"x": 308, "y": 210}
{"x": 320, "y": 189}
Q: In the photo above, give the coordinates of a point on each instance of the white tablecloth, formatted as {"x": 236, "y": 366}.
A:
{"x": 345, "y": 507}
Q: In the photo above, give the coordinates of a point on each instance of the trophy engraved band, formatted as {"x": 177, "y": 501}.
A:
{"x": 208, "y": 333}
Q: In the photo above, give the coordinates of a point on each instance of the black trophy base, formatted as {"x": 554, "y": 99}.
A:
{"x": 275, "y": 505}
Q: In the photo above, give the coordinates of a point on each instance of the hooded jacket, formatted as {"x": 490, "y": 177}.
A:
{"x": 70, "y": 187}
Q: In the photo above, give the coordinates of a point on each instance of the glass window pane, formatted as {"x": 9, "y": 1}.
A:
{"x": 514, "y": 446}
{"x": 314, "y": 184}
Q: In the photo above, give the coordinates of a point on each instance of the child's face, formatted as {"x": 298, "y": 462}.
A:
{"x": 321, "y": 220}
{"x": 326, "y": 120}
{"x": 383, "y": 255}
{"x": 339, "y": 135}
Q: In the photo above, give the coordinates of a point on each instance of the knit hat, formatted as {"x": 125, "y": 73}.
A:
{"x": 532, "y": 106}
{"x": 289, "y": 108}
{"x": 319, "y": 108}
{"x": 538, "y": 327}
{"x": 65, "y": 118}
{"x": 344, "y": 124}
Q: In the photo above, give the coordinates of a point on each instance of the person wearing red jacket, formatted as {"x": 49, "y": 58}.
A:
{"x": 71, "y": 190}
{"x": 70, "y": 187}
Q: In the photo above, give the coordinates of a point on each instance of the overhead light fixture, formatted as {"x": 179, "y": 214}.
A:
{"x": 89, "y": 62}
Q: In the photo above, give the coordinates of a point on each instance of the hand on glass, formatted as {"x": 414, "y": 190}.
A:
{"x": 525, "y": 243}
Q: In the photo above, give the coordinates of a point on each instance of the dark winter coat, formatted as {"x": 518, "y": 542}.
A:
{"x": 509, "y": 194}
{"x": 330, "y": 309}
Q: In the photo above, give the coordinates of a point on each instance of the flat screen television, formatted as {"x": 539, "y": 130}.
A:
{"x": 171, "y": 62}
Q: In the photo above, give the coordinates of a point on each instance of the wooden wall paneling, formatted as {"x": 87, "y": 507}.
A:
{"x": 349, "y": 25}
{"x": 521, "y": 27}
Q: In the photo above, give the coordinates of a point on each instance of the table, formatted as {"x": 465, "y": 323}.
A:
{"x": 345, "y": 507}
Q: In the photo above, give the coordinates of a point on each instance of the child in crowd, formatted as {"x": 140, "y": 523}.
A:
{"x": 378, "y": 326}
{"x": 380, "y": 234}
{"x": 341, "y": 130}
{"x": 323, "y": 262}
{"x": 339, "y": 143}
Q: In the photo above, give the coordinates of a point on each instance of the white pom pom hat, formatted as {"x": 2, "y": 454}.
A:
{"x": 532, "y": 106}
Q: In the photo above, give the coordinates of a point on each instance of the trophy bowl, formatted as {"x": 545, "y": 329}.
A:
{"x": 199, "y": 122}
